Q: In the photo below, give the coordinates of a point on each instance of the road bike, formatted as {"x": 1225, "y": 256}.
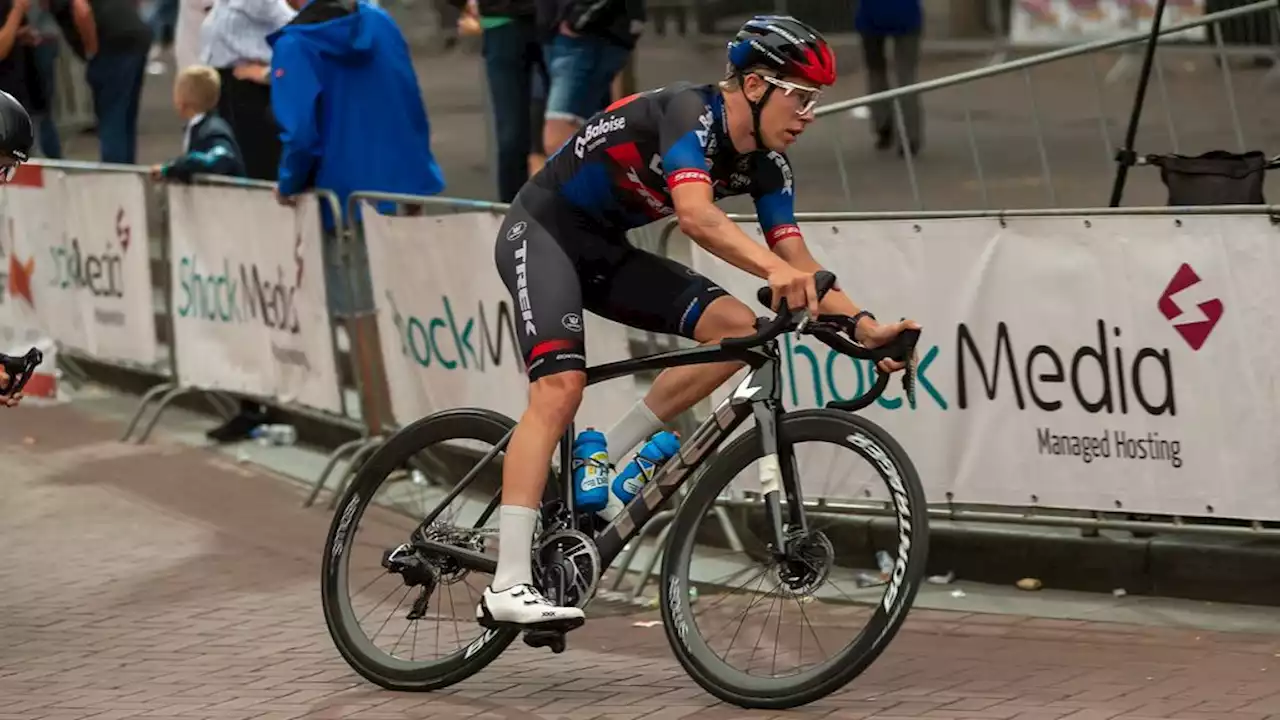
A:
{"x": 574, "y": 548}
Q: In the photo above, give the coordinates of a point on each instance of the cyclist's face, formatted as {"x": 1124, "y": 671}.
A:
{"x": 788, "y": 111}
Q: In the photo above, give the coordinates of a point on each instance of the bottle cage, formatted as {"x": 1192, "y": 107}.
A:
{"x": 19, "y": 370}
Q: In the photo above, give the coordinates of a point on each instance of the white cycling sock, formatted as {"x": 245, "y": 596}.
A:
{"x": 515, "y": 547}
{"x": 634, "y": 428}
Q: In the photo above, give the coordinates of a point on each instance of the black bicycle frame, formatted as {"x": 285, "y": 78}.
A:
{"x": 759, "y": 394}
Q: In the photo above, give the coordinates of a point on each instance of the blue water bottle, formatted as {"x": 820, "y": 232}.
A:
{"x": 660, "y": 448}
{"x": 590, "y": 471}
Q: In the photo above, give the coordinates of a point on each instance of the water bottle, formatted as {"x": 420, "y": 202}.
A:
{"x": 655, "y": 453}
{"x": 274, "y": 434}
{"x": 590, "y": 471}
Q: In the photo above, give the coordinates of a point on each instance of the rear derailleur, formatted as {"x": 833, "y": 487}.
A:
{"x": 425, "y": 570}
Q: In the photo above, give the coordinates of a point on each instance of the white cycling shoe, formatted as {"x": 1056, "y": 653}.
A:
{"x": 524, "y": 607}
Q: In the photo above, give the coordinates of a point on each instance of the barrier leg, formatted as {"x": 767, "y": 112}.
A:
{"x": 645, "y": 574}
{"x": 629, "y": 556}
{"x": 223, "y": 404}
{"x": 730, "y": 532}
{"x": 142, "y": 407}
{"x": 357, "y": 460}
{"x": 342, "y": 450}
{"x": 72, "y": 371}
{"x": 169, "y": 397}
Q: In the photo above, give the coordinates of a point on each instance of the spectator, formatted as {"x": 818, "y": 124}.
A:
{"x": 351, "y": 117}
{"x": 46, "y": 47}
{"x": 513, "y": 63}
{"x": 112, "y": 39}
{"x": 208, "y": 145}
{"x": 235, "y": 42}
{"x": 163, "y": 21}
{"x": 186, "y": 33}
{"x": 586, "y": 44}
{"x": 14, "y": 66}
{"x": 877, "y": 21}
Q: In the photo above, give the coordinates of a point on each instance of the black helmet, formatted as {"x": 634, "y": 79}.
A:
{"x": 16, "y": 137}
{"x": 785, "y": 45}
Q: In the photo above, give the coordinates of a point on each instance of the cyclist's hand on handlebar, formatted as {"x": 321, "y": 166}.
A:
{"x": 794, "y": 286}
{"x": 8, "y": 400}
{"x": 871, "y": 334}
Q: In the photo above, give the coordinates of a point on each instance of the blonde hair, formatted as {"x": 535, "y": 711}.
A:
{"x": 200, "y": 86}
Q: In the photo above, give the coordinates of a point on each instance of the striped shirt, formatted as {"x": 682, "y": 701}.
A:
{"x": 236, "y": 31}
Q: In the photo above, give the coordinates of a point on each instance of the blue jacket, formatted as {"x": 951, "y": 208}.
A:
{"x": 346, "y": 99}
{"x": 888, "y": 17}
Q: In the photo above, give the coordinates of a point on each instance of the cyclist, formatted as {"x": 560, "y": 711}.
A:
{"x": 562, "y": 248}
{"x": 16, "y": 136}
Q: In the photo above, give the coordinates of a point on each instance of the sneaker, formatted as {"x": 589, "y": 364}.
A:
{"x": 524, "y": 606}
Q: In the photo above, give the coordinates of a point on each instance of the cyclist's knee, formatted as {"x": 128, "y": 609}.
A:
{"x": 725, "y": 317}
{"x": 555, "y": 398}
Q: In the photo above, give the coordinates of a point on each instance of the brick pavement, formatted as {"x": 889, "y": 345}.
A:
{"x": 169, "y": 582}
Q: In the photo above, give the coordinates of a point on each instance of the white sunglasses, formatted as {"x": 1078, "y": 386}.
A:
{"x": 808, "y": 96}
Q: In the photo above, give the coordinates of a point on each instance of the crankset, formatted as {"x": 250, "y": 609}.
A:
{"x": 567, "y": 569}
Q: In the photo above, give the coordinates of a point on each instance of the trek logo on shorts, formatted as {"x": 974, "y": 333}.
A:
{"x": 522, "y": 289}
{"x": 516, "y": 231}
{"x": 593, "y": 135}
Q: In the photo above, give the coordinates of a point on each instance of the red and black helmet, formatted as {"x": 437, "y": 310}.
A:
{"x": 785, "y": 45}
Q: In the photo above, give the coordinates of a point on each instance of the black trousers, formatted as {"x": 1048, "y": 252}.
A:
{"x": 246, "y": 106}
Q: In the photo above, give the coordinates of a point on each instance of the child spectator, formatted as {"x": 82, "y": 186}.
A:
{"x": 209, "y": 147}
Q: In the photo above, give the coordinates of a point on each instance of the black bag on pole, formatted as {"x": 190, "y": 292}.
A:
{"x": 1217, "y": 177}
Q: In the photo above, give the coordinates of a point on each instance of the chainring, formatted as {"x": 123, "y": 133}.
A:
{"x": 568, "y": 567}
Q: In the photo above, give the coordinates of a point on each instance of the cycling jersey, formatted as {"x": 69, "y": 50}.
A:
{"x": 619, "y": 167}
{"x": 563, "y": 248}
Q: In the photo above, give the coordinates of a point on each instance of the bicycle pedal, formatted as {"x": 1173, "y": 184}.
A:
{"x": 553, "y": 639}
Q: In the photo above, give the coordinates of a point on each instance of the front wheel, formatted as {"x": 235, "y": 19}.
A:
{"x": 872, "y": 607}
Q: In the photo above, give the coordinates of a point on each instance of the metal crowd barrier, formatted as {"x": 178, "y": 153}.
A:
{"x": 171, "y": 385}
{"x": 665, "y": 238}
{"x": 1263, "y": 12}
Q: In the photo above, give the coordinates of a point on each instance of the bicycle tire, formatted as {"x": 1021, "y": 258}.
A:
{"x": 699, "y": 661}
{"x": 463, "y": 424}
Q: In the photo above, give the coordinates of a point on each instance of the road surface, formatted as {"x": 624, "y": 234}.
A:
{"x": 170, "y": 581}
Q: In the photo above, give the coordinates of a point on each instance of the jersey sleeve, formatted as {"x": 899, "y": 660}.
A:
{"x": 682, "y": 139}
{"x": 775, "y": 198}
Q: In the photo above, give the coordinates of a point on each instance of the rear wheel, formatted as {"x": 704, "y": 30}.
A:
{"x": 872, "y": 610}
{"x": 436, "y": 598}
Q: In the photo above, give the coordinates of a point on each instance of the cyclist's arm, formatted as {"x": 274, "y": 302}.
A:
{"x": 775, "y": 206}
{"x": 684, "y": 163}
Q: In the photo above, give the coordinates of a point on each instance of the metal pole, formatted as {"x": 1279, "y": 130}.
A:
{"x": 1125, "y": 157}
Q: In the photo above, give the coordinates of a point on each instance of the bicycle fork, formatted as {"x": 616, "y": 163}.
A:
{"x": 777, "y": 461}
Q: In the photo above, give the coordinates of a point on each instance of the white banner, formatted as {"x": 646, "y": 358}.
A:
{"x": 31, "y": 214}
{"x": 1109, "y": 363}
{"x": 1072, "y": 22}
{"x": 249, "y": 307}
{"x": 99, "y": 270}
{"x": 447, "y": 326}
{"x": 77, "y": 264}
